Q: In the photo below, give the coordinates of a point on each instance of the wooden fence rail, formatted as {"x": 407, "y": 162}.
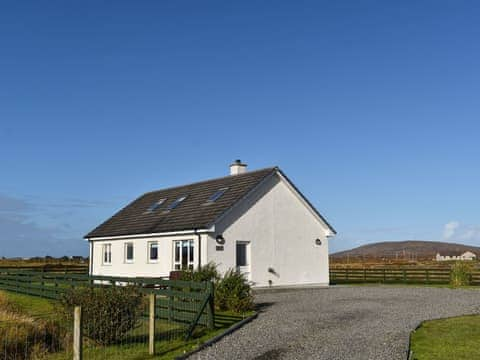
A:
{"x": 396, "y": 275}
{"x": 51, "y": 268}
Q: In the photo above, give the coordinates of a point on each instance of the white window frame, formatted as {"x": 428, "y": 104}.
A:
{"x": 150, "y": 260}
{"x": 107, "y": 254}
{"x": 127, "y": 260}
{"x": 190, "y": 245}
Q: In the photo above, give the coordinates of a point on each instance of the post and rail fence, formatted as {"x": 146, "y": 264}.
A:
{"x": 392, "y": 275}
{"x": 49, "y": 267}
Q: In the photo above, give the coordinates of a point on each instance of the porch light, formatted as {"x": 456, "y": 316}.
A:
{"x": 220, "y": 240}
{"x": 318, "y": 242}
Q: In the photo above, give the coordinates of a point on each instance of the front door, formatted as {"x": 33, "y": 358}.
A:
{"x": 243, "y": 258}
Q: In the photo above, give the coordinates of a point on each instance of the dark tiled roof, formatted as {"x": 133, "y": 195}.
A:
{"x": 190, "y": 214}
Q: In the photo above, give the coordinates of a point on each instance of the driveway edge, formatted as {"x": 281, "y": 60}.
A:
{"x": 409, "y": 349}
{"x": 218, "y": 337}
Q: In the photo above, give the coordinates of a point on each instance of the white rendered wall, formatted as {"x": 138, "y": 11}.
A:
{"x": 141, "y": 266}
{"x": 282, "y": 232}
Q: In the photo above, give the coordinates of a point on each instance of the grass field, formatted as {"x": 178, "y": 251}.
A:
{"x": 30, "y": 305}
{"x": 454, "y": 338}
{"x": 169, "y": 344}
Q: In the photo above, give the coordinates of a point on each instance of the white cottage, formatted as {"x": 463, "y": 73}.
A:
{"x": 257, "y": 222}
{"x": 466, "y": 256}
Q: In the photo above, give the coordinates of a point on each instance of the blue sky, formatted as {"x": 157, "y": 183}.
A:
{"x": 370, "y": 107}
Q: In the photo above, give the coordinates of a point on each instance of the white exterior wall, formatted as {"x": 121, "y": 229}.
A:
{"x": 281, "y": 231}
{"x": 141, "y": 266}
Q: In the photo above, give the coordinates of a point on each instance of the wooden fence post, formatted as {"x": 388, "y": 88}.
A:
{"x": 151, "y": 325}
{"x": 77, "y": 333}
{"x": 42, "y": 283}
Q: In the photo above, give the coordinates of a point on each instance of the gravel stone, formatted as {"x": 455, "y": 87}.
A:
{"x": 348, "y": 322}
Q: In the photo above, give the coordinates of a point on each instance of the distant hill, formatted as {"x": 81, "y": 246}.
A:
{"x": 406, "y": 250}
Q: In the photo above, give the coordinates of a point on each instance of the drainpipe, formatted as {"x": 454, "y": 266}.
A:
{"x": 199, "y": 248}
{"x": 90, "y": 265}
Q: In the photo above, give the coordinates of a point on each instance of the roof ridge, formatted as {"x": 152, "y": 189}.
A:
{"x": 209, "y": 180}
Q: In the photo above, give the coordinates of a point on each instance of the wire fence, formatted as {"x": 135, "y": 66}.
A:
{"x": 25, "y": 337}
{"x": 49, "y": 337}
{"x": 165, "y": 316}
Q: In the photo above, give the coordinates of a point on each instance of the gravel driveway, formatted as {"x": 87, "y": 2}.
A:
{"x": 358, "y": 322}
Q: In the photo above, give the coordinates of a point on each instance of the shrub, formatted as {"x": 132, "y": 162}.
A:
{"x": 109, "y": 312}
{"x": 206, "y": 272}
{"x": 233, "y": 293}
{"x": 461, "y": 274}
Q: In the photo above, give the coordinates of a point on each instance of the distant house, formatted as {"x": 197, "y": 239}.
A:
{"x": 466, "y": 256}
{"x": 256, "y": 222}
{"x": 79, "y": 259}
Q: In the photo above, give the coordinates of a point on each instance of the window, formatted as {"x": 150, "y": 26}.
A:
{"x": 107, "y": 253}
{"x": 153, "y": 252}
{"x": 217, "y": 195}
{"x": 129, "y": 252}
{"x": 177, "y": 202}
{"x": 183, "y": 255}
{"x": 156, "y": 205}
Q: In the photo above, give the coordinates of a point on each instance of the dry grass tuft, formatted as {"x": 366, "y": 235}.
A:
{"x": 24, "y": 337}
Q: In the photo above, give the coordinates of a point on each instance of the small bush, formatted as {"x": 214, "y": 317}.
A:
{"x": 204, "y": 273}
{"x": 233, "y": 293}
{"x": 461, "y": 274}
{"x": 109, "y": 312}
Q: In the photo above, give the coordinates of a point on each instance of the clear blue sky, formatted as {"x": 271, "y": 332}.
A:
{"x": 371, "y": 107}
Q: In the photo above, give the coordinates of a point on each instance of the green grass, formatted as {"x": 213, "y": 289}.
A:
{"x": 33, "y": 306}
{"x": 454, "y": 338}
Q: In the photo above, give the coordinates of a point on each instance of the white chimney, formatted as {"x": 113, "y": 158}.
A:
{"x": 238, "y": 168}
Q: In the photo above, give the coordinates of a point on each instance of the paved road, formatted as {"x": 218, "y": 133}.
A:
{"x": 357, "y": 322}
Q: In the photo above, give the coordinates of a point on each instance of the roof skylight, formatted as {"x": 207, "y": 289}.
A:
{"x": 156, "y": 205}
{"x": 217, "y": 195}
{"x": 177, "y": 202}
